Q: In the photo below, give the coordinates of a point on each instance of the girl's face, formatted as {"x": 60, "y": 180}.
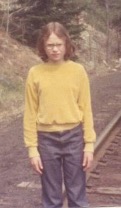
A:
{"x": 55, "y": 49}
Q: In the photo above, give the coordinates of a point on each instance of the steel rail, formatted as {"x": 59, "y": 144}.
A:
{"x": 102, "y": 141}
{"x": 107, "y": 130}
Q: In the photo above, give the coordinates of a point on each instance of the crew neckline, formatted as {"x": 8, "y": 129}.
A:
{"x": 57, "y": 64}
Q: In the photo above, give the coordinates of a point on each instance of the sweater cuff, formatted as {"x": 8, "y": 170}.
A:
{"x": 33, "y": 152}
{"x": 89, "y": 147}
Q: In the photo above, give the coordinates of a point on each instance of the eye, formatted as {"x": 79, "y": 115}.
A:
{"x": 59, "y": 45}
{"x": 50, "y": 45}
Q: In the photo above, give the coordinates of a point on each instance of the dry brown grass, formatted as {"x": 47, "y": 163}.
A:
{"x": 15, "y": 61}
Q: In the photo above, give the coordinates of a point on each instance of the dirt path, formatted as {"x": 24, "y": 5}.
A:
{"x": 106, "y": 98}
{"x": 15, "y": 169}
{"x": 19, "y": 184}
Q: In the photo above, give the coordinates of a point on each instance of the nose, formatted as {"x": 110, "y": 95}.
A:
{"x": 55, "y": 48}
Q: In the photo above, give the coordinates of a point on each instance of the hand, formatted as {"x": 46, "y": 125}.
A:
{"x": 87, "y": 161}
{"x": 37, "y": 164}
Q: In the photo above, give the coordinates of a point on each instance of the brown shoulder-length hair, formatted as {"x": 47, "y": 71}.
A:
{"x": 61, "y": 32}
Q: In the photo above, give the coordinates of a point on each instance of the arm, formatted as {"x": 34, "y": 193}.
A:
{"x": 89, "y": 133}
{"x": 30, "y": 116}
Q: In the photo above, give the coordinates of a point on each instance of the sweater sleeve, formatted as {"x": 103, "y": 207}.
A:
{"x": 30, "y": 115}
{"x": 85, "y": 107}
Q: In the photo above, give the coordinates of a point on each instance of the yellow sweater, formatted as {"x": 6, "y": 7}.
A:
{"x": 57, "y": 98}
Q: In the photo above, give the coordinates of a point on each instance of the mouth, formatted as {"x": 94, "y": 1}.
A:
{"x": 55, "y": 54}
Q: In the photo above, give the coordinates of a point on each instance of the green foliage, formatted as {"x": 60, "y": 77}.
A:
{"x": 30, "y": 17}
{"x": 27, "y": 16}
{"x": 98, "y": 14}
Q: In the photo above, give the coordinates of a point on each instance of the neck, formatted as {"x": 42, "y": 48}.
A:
{"x": 56, "y": 62}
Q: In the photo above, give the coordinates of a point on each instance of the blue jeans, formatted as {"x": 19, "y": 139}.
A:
{"x": 62, "y": 156}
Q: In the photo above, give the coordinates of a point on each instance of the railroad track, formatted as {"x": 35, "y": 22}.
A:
{"x": 104, "y": 179}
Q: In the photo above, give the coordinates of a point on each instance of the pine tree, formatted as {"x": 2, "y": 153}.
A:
{"x": 29, "y": 18}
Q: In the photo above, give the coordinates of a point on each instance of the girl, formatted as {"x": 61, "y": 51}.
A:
{"x": 58, "y": 123}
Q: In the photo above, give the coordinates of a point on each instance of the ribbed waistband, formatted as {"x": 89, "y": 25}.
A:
{"x": 56, "y": 127}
